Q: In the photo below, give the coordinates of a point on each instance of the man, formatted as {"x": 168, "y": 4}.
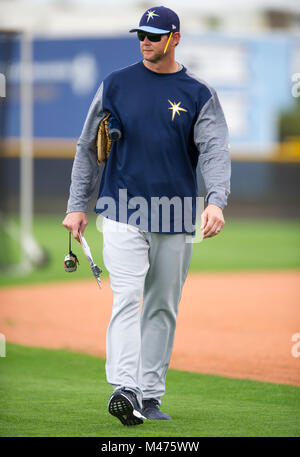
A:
{"x": 170, "y": 122}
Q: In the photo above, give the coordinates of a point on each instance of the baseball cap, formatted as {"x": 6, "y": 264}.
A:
{"x": 158, "y": 19}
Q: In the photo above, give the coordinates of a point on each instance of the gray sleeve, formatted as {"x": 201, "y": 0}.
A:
{"x": 211, "y": 140}
{"x": 86, "y": 171}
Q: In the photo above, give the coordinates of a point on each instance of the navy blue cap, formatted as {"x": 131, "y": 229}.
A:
{"x": 158, "y": 19}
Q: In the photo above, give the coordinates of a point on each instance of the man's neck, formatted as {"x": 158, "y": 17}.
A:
{"x": 162, "y": 66}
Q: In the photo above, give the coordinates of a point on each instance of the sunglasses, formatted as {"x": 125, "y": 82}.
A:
{"x": 151, "y": 36}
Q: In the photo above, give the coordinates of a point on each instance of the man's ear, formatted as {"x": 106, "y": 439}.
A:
{"x": 177, "y": 37}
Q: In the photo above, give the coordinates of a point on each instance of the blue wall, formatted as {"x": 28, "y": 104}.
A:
{"x": 68, "y": 72}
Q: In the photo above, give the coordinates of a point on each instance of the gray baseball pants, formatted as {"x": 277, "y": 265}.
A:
{"x": 147, "y": 271}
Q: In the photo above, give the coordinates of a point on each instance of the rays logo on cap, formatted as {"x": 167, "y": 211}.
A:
{"x": 151, "y": 14}
{"x": 160, "y": 20}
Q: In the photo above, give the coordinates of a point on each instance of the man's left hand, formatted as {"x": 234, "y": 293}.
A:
{"x": 212, "y": 221}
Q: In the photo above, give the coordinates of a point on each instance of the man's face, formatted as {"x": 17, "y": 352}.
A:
{"x": 154, "y": 51}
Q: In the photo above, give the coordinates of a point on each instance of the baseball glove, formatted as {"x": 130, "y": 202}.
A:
{"x": 104, "y": 142}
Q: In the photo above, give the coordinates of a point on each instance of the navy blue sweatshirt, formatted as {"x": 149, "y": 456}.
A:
{"x": 171, "y": 123}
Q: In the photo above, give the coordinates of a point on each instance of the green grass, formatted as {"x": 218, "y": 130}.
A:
{"x": 242, "y": 245}
{"x": 54, "y": 239}
{"x": 59, "y": 393}
{"x": 250, "y": 244}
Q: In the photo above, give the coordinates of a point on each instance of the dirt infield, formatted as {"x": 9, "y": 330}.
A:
{"x": 233, "y": 324}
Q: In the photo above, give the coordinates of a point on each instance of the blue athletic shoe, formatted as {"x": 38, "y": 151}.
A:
{"x": 123, "y": 404}
{"x": 151, "y": 410}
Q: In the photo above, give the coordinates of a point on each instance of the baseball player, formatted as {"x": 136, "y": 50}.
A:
{"x": 171, "y": 123}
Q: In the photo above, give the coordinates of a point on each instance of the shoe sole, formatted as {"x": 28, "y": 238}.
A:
{"x": 122, "y": 408}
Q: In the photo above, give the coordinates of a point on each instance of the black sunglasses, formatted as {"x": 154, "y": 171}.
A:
{"x": 151, "y": 36}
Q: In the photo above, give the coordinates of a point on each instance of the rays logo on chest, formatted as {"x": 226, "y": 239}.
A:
{"x": 176, "y": 108}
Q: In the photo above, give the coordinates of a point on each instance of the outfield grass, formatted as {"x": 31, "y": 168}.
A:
{"x": 242, "y": 245}
{"x": 58, "y": 393}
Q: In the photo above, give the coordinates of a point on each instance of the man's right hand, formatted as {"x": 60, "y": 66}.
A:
{"x": 75, "y": 221}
